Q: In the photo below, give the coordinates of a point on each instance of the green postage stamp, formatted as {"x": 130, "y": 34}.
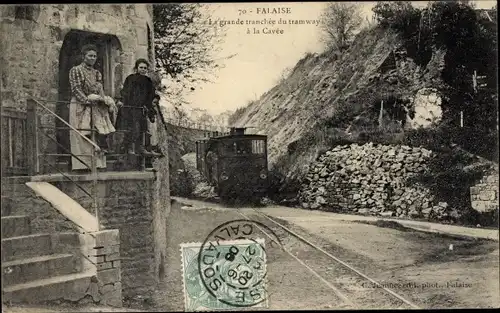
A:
{"x": 224, "y": 275}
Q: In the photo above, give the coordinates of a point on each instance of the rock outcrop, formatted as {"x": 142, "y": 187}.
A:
{"x": 325, "y": 93}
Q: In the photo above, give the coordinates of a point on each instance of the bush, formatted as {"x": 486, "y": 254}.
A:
{"x": 182, "y": 183}
{"x": 282, "y": 188}
{"x": 399, "y": 15}
{"x": 446, "y": 176}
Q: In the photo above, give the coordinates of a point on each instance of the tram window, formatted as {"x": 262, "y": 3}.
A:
{"x": 237, "y": 147}
{"x": 258, "y": 147}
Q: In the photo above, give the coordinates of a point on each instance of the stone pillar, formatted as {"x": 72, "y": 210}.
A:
{"x": 484, "y": 195}
{"x": 104, "y": 253}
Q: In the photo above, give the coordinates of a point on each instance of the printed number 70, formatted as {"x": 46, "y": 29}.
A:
{"x": 242, "y": 11}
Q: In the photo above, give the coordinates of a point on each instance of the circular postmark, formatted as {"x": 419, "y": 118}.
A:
{"x": 232, "y": 262}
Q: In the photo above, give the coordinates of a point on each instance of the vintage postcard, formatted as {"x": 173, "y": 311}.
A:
{"x": 249, "y": 156}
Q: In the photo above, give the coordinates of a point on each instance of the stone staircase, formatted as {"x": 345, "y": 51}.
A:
{"x": 40, "y": 267}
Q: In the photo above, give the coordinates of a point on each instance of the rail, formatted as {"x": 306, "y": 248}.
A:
{"x": 342, "y": 294}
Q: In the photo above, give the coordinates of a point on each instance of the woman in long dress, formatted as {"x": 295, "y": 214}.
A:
{"x": 88, "y": 102}
{"x": 136, "y": 103}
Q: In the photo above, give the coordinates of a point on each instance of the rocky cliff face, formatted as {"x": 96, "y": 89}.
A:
{"x": 332, "y": 97}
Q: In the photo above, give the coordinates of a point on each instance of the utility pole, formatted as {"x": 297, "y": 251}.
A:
{"x": 381, "y": 115}
{"x": 474, "y": 81}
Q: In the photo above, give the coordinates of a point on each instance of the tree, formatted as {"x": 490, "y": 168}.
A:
{"x": 206, "y": 119}
{"x": 400, "y": 15}
{"x": 340, "y": 21}
{"x": 222, "y": 119}
{"x": 186, "y": 50}
{"x": 181, "y": 117}
{"x": 185, "y": 43}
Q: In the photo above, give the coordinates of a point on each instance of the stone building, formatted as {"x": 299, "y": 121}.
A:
{"x": 47, "y": 245}
{"x": 40, "y": 43}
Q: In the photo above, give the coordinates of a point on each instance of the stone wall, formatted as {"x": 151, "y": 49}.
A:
{"x": 372, "y": 179}
{"x": 484, "y": 195}
{"x": 133, "y": 203}
{"x": 180, "y": 141}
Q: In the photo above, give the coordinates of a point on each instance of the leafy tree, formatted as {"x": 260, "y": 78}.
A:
{"x": 181, "y": 117}
{"x": 340, "y": 21}
{"x": 400, "y": 15}
{"x": 186, "y": 45}
{"x": 469, "y": 37}
{"x": 222, "y": 119}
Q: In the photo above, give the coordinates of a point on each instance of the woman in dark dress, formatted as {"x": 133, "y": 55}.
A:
{"x": 136, "y": 104}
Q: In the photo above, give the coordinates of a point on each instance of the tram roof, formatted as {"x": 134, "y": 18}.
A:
{"x": 245, "y": 136}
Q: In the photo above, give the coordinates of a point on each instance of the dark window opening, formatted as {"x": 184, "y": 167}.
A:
{"x": 258, "y": 146}
{"x": 70, "y": 55}
{"x": 244, "y": 147}
{"x": 25, "y": 12}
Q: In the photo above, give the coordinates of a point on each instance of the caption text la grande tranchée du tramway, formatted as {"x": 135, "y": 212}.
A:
{"x": 267, "y": 17}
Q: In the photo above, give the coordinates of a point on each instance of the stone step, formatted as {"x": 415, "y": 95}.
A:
{"x": 15, "y": 225}
{"x": 71, "y": 287}
{"x": 19, "y": 247}
{"x": 40, "y": 267}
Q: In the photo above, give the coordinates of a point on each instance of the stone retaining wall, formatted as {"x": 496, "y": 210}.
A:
{"x": 484, "y": 195}
{"x": 371, "y": 179}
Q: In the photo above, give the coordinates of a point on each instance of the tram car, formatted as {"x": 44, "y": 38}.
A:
{"x": 235, "y": 164}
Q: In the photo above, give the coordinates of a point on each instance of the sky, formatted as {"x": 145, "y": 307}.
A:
{"x": 261, "y": 58}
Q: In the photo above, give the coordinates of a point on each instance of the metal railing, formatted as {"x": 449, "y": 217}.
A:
{"x": 37, "y": 155}
{"x": 197, "y": 126}
{"x": 35, "y": 128}
{"x": 79, "y": 131}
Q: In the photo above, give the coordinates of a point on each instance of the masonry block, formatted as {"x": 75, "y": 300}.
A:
{"x": 487, "y": 195}
{"x": 107, "y": 238}
{"x": 112, "y": 295}
{"x": 484, "y": 195}
{"x": 98, "y": 251}
{"x": 109, "y": 276}
{"x": 112, "y": 257}
{"x": 475, "y": 190}
{"x": 97, "y": 259}
{"x": 104, "y": 266}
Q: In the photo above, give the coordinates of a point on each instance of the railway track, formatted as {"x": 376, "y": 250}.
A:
{"x": 351, "y": 288}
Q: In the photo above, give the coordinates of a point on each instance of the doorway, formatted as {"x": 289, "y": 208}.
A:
{"x": 70, "y": 55}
